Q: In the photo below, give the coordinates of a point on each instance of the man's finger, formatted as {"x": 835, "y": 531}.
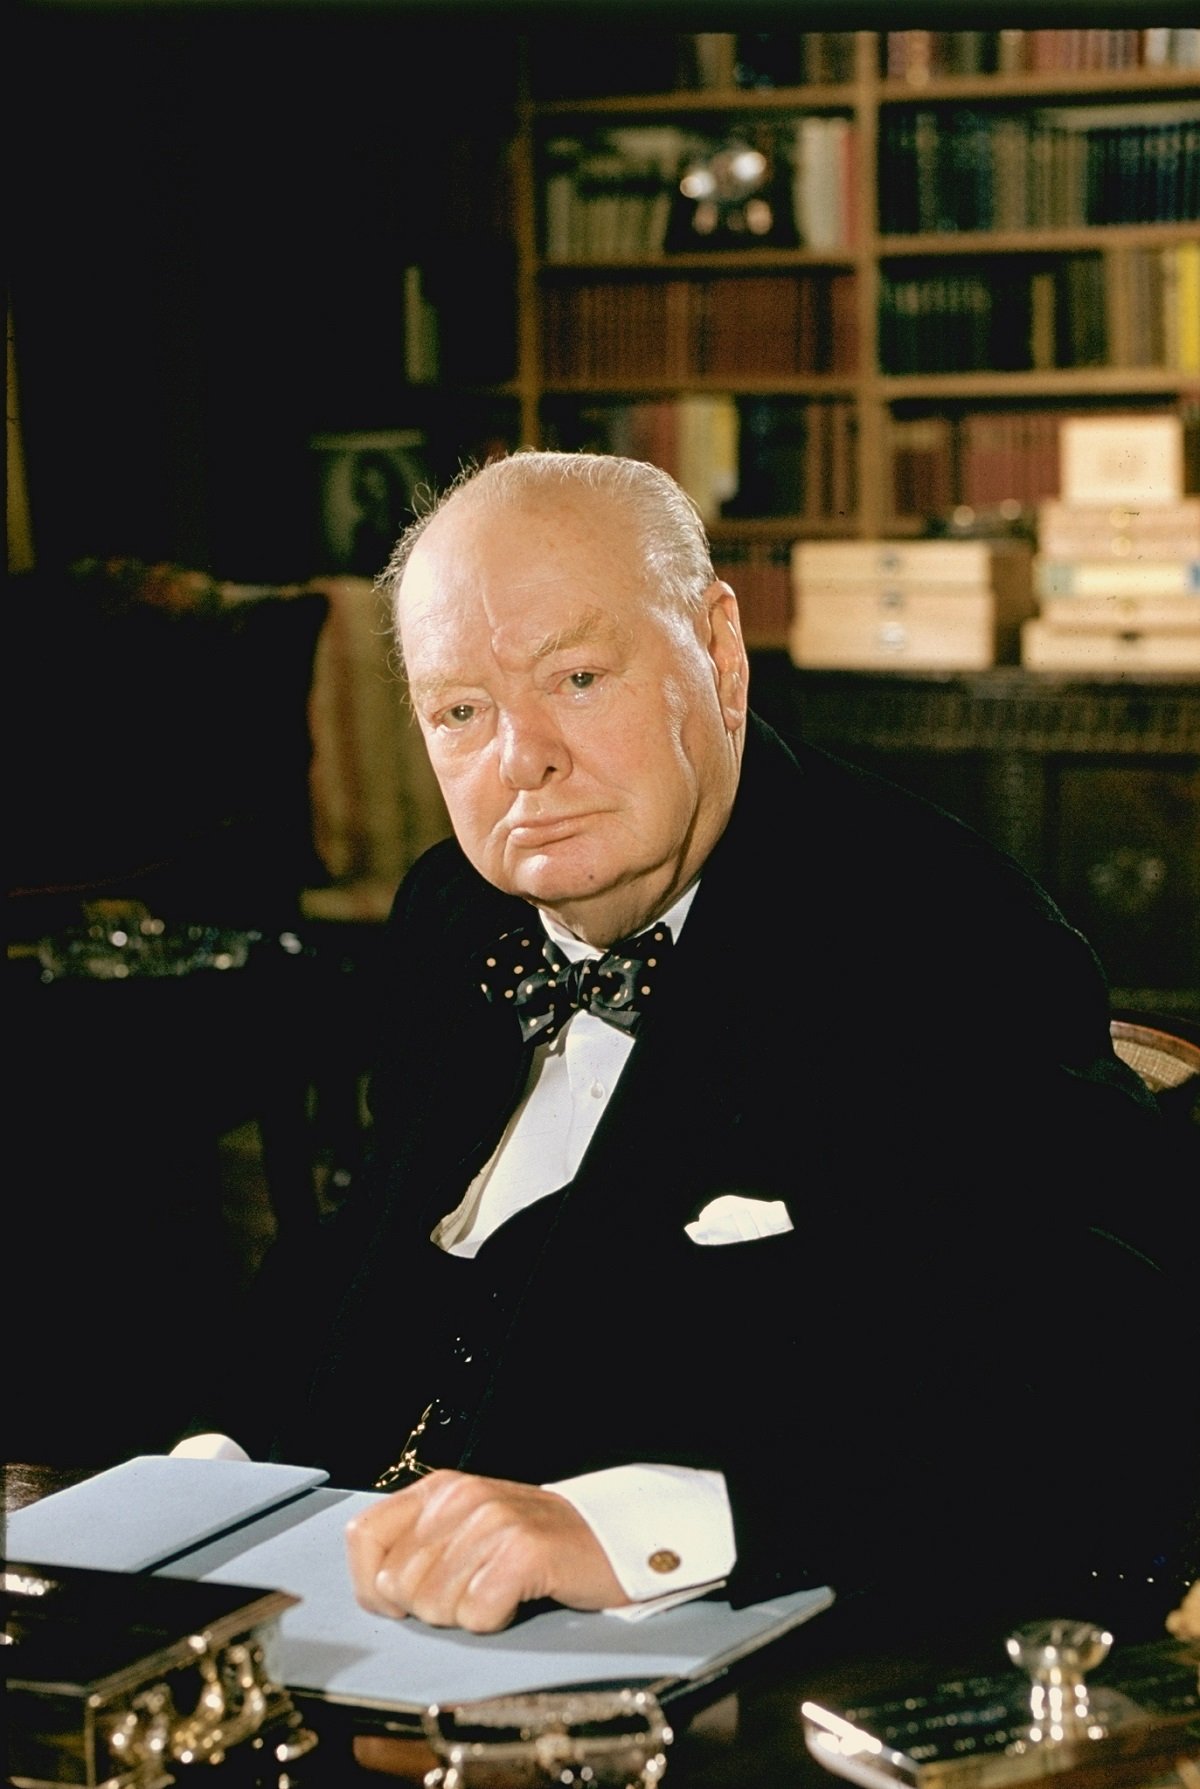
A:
{"x": 434, "y": 1577}
{"x": 505, "y": 1579}
{"x": 372, "y": 1535}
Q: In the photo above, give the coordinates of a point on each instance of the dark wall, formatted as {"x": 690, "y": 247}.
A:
{"x": 210, "y": 212}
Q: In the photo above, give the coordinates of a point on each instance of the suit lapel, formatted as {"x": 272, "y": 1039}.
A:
{"x": 698, "y": 1064}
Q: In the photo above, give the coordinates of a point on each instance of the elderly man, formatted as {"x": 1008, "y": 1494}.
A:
{"x": 748, "y": 1150}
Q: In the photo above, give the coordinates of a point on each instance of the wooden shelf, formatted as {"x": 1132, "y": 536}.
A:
{"x": 1082, "y": 382}
{"x": 741, "y": 384}
{"x": 699, "y": 102}
{"x": 1018, "y": 242}
{"x": 756, "y": 260}
{"x": 1114, "y": 83}
{"x": 778, "y": 528}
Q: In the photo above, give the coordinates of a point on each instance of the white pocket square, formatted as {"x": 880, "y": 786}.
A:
{"x": 734, "y": 1218}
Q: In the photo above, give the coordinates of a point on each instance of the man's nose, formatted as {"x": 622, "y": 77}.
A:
{"x": 532, "y": 750}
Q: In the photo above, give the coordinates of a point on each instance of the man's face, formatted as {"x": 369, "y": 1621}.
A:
{"x": 586, "y": 738}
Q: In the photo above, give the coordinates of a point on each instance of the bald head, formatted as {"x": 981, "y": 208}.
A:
{"x": 655, "y": 514}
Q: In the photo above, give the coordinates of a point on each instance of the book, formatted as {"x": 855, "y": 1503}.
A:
{"x": 1187, "y": 300}
{"x": 707, "y": 454}
{"x": 823, "y": 154}
{"x": 760, "y": 576}
{"x": 1116, "y": 577}
{"x": 330, "y": 1649}
{"x": 1056, "y": 167}
{"x": 421, "y": 355}
{"x": 916, "y": 56}
{"x": 922, "y": 459}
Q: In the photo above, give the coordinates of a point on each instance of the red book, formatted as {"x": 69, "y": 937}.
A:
{"x": 843, "y": 356}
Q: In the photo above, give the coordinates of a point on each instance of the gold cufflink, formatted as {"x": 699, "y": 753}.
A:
{"x": 664, "y": 1561}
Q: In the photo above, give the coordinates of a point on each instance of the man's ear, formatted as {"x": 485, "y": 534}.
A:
{"x": 726, "y": 649}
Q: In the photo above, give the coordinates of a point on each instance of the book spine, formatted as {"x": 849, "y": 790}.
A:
{"x": 1187, "y": 305}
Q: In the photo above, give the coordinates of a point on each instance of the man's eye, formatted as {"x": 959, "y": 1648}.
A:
{"x": 459, "y": 715}
{"x": 581, "y": 680}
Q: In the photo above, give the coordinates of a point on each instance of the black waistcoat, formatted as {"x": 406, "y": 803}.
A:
{"x": 467, "y": 1307}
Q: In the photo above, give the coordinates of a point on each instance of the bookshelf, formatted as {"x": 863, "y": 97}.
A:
{"x": 954, "y": 239}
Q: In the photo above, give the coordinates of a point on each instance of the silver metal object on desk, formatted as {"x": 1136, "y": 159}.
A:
{"x": 599, "y": 1739}
{"x": 1125, "y": 1729}
{"x": 114, "y": 1679}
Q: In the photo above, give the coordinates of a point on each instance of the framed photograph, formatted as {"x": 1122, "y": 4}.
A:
{"x": 367, "y": 486}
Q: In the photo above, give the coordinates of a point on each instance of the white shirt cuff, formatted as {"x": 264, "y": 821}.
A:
{"x": 667, "y": 1530}
{"x": 207, "y": 1447}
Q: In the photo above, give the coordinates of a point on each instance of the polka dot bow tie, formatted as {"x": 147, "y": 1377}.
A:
{"x": 527, "y": 970}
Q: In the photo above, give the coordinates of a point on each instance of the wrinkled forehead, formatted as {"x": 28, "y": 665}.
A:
{"x": 538, "y": 536}
{"x": 547, "y": 560}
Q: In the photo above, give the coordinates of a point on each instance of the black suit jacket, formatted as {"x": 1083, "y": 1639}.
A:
{"x": 874, "y": 1016}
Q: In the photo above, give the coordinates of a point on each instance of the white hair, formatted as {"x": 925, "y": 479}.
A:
{"x": 671, "y": 530}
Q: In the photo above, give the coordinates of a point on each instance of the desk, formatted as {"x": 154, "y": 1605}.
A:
{"x": 857, "y": 1648}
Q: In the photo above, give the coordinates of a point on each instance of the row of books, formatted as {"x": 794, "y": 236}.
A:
{"x": 918, "y": 56}
{"x": 760, "y": 574}
{"x": 1057, "y": 167}
{"x": 727, "y": 326}
{"x": 610, "y": 195}
{"x": 591, "y": 64}
{"x": 694, "y": 438}
{"x": 1124, "y": 307}
{"x": 765, "y": 59}
{"x": 594, "y": 62}
{"x": 633, "y": 193}
{"x": 736, "y": 458}
{"x": 1152, "y": 306}
{"x": 992, "y": 460}
{"x": 797, "y": 458}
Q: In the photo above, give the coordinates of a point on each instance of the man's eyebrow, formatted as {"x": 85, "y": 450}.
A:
{"x": 591, "y": 625}
{"x": 424, "y": 689}
{"x": 565, "y": 639}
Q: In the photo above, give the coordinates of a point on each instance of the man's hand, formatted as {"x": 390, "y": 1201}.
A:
{"x": 460, "y": 1551}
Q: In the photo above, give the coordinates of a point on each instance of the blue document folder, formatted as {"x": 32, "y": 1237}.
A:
{"x": 281, "y": 1527}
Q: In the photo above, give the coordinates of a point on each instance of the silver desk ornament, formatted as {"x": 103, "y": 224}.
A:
{"x": 120, "y": 1681}
{"x": 594, "y": 1738}
{"x": 984, "y": 1731}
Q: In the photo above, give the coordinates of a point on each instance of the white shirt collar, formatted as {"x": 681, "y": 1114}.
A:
{"x": 576, "y": 951}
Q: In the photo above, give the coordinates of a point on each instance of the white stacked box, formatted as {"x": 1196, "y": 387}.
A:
{"x": 1117, "y": 572}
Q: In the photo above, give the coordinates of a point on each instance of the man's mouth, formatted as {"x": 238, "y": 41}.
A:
{"x": 530, "y": 833}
